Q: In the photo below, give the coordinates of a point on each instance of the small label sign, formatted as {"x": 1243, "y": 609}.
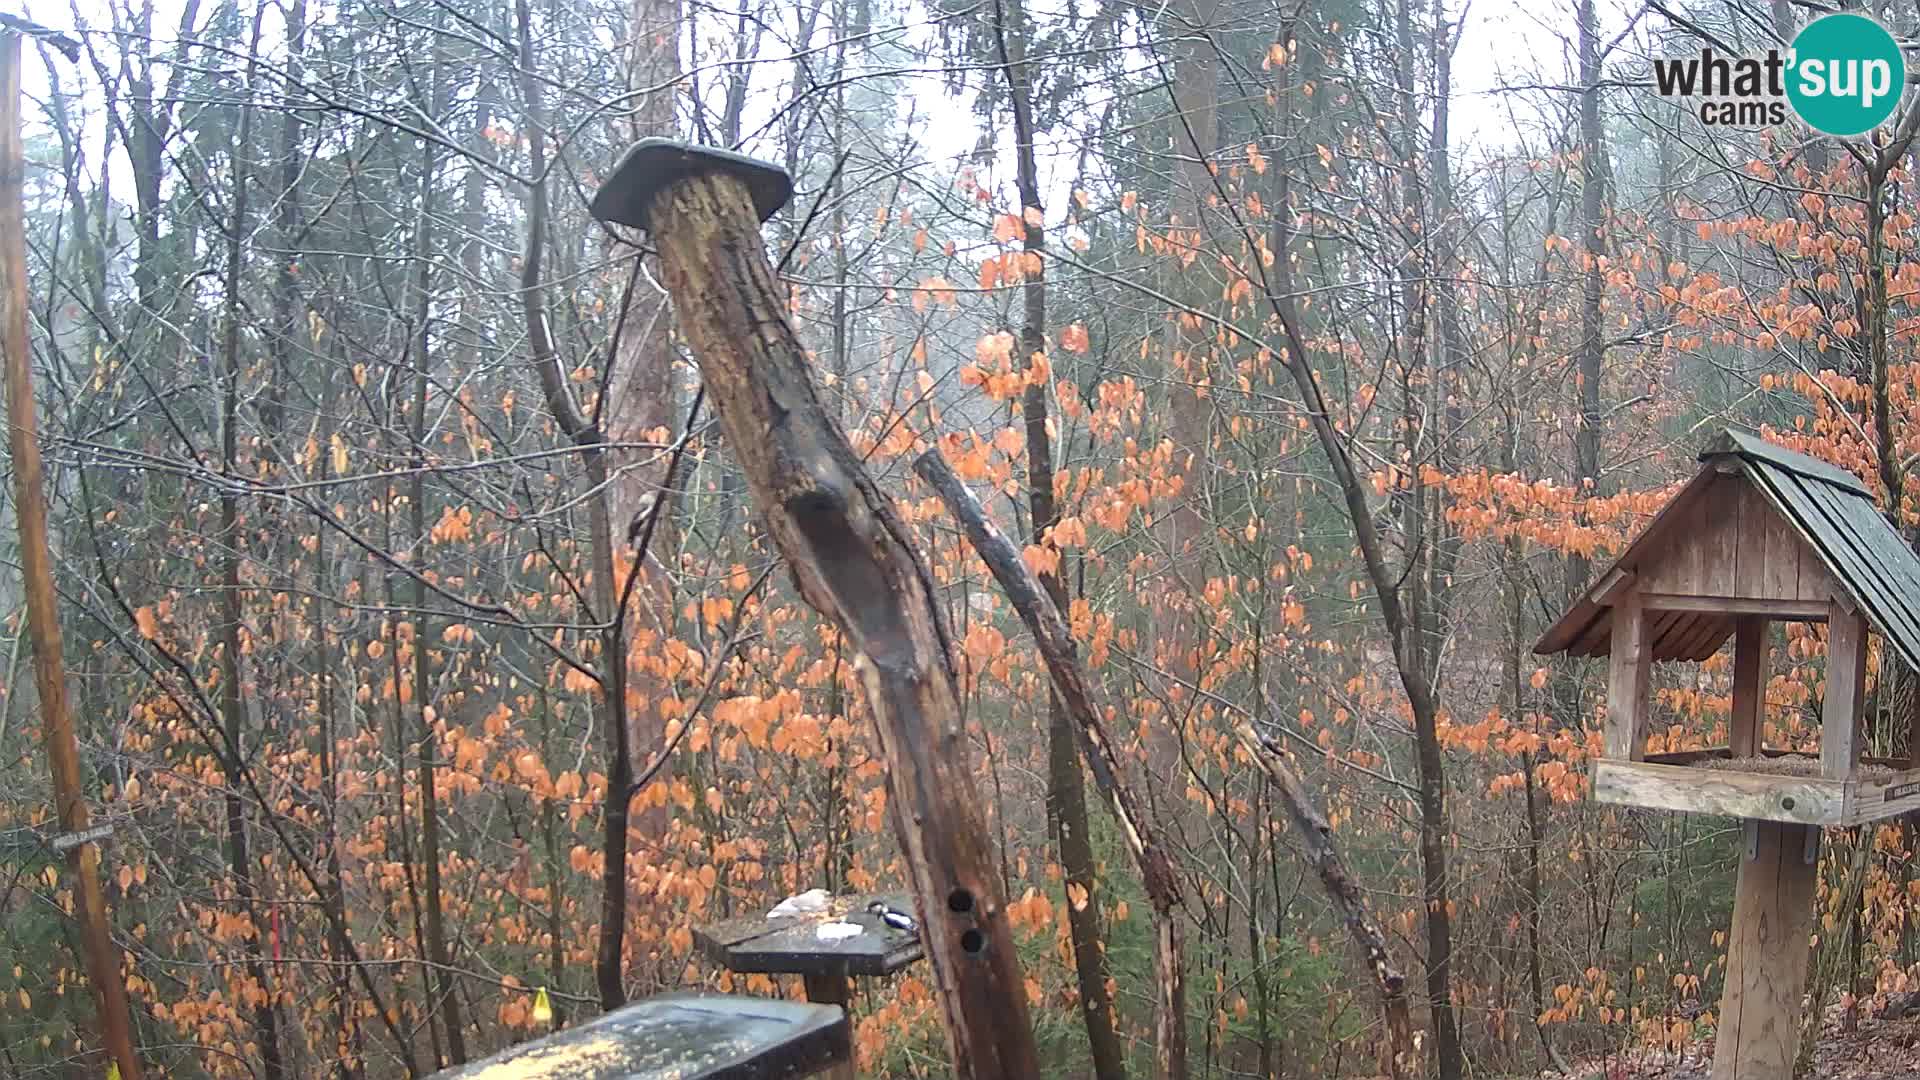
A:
{"x": 1901, "y": 791}
{"x": 68, "y": 841}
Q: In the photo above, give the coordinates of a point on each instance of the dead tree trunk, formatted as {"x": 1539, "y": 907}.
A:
{"x": 851, "y": 557}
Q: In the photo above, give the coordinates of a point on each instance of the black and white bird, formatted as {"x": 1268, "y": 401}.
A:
{"x": 642, "y": 516}
{"x": 892, "y": 916}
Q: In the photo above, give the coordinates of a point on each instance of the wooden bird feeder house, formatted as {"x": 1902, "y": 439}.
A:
{"x": 1760, "y": 535}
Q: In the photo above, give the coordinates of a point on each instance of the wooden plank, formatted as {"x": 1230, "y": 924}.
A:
{"x": 1613, "y": 586}
{"x": 1673, "y": 563}
{"x": 1826, "y": 540}
{"x": 1750, "y": 540}
{"x": 1577, "y": 618}
{"x": 1766, "y": 957}
{"x": 1709, "y": 634}
{"x": 1664, "y": 629}
{"x": 1629, "y": 669}
{"x": 1695, "y": 630}
{"x": 1780, "y": 573}
{"x": 1784, "y": 610}
{"x": 1877, "y": 800}
{"x": 1806, "y": 800}
{"x": 1594, "y": 639}
{"x": 1747, "y": 724}
{"x": 1709, "y": 753}
{"x": 1840, "y": 709}
{"x": 1718, "y": 539}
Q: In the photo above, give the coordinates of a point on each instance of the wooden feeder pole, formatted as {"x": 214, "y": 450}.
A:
{"x": 852, "y": 558}
{"x": 36, "y": 562}
{"x": 1767, "y": 953}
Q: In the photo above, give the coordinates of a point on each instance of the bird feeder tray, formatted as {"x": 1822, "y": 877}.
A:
{"x": 1759, "y": 790}
{"x": 680, "y": 1037}
{"x": 791, "y": 945}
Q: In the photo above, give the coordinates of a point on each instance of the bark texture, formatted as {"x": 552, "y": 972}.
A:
{"x": 853, "y": 559}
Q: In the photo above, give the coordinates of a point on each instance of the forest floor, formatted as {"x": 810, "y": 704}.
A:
{"x": 1878, "y": 1049}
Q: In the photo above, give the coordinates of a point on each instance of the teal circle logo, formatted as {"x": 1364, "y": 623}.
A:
{"x": 1847, "y": 74}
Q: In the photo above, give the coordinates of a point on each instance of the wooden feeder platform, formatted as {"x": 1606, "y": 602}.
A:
{"x": 789, "y": 945}
{"x": 1772, "y": 786}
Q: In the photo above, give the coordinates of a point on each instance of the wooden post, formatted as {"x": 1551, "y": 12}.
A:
{"x": 36, "y": 566}
{"x": 1746, "y": 728}
{"x": 1767, "y": 954}
{"x": 1629, "y": 672}
{"x": 833, "y": 988}
{"x": 1846, "y": 688}
{"x": 852, "y": 558}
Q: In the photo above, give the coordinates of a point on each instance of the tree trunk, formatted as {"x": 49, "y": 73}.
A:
{"x": 853, "y": 560}
{"x": 265, "y": 1014}
{"x": 440, "y": 978}
{"x": 1066, "y": 793}
{"x": 605, "y": 597}
{"x": 1590, "y": 362}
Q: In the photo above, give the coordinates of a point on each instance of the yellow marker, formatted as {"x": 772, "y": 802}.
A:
{"x": 113, "y": 1070}
{"x": 542, "y": 1012}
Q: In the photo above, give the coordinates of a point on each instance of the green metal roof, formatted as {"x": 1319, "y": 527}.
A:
{"x": 1834, "y": 513}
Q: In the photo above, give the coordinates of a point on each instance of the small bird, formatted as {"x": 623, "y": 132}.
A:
{"x": 893, "y": 917}
{"x": 641, "y": 515}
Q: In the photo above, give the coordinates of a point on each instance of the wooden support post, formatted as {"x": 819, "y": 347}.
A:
{"x": 1629, "y": 674}
{"x": 852, "y": 558}
{"x": 1767, "y": 954}
{"x": 833, "y": 988}
{"x": 1846, "y": 691}
{"x": 36, "y": 567}
{"x": 1746, "y": 729}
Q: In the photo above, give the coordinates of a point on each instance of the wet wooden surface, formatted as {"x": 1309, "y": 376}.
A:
{"x": 680, "y": 1037}
{"x": 788, "y": 945}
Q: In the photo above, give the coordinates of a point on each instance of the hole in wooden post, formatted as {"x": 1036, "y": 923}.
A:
{"x": 973, "y": 941}
{"x": 960, "y": 901}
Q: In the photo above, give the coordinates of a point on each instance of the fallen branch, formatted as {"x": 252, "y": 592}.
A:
{"x": 1050, "y": 632}
{"x": 1043, "y": 618}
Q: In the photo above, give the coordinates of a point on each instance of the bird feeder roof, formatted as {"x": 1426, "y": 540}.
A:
{"x": 1835, "y": 540}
